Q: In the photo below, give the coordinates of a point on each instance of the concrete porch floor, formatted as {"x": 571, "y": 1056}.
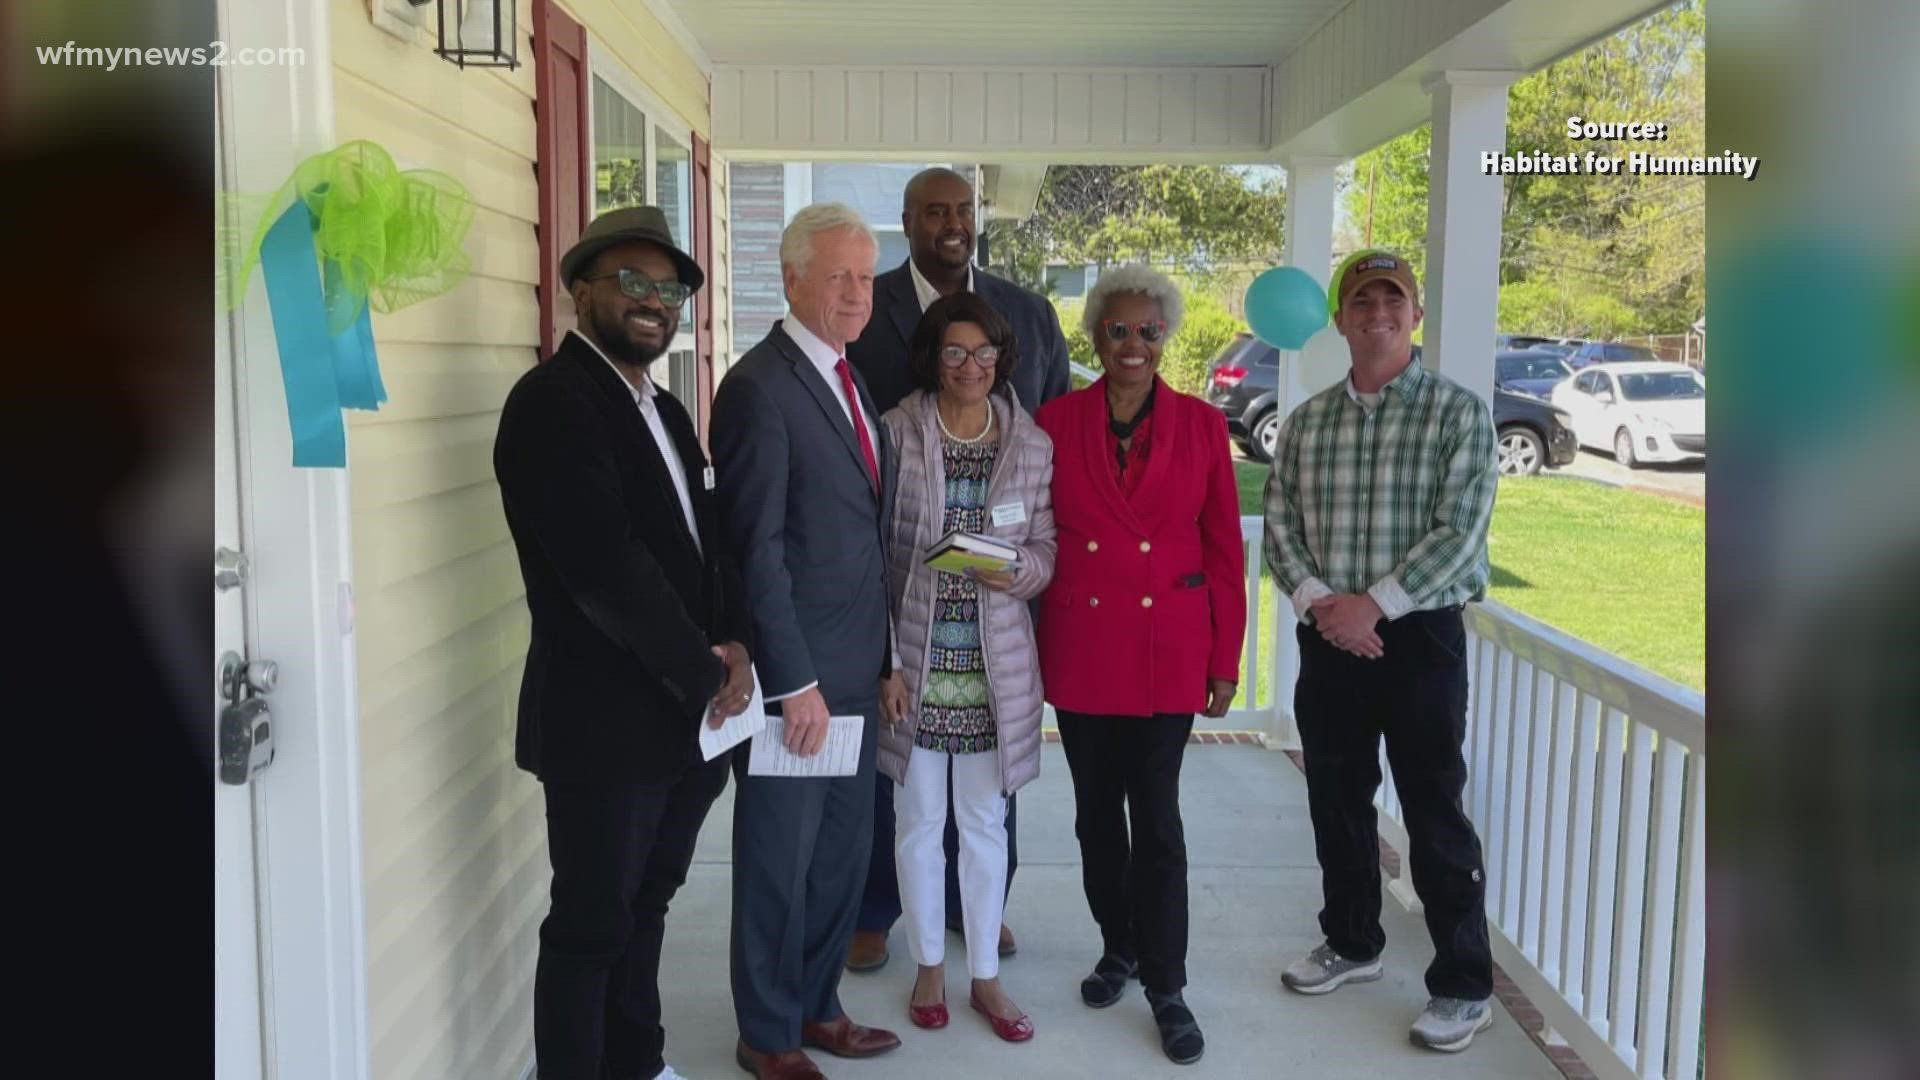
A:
{"x": 1254, "y": 894}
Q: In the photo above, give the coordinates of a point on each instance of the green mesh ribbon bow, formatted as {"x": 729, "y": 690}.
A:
{"x": 386, "y": 237}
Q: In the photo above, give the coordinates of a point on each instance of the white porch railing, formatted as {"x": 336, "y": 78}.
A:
{"x": 1587, "y": 784}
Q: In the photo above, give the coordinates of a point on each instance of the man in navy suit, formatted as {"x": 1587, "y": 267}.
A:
{"x": 938, "y": 219}
{"x": 805, "y": 480}
{"x": 639, "y": 632}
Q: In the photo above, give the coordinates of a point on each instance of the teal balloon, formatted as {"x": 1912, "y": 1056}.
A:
{"x": 1285, "y": 307}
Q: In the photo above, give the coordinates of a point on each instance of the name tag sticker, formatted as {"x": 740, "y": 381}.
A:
{"x": 1009, "y": 514}
{"x": 706, "y": 477}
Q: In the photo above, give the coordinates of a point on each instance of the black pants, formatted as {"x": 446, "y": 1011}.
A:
{"x": 619, "y": 853}
{"x": 1126, "y": 771}
{"x": 880, "y": 902}
{"x": 1416, "y": 696}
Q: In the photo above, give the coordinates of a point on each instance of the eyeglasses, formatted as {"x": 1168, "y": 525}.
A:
{"x": 640, "y": 286}
{"x": 953, "y": 355}
{"x": 1150, "y": 331}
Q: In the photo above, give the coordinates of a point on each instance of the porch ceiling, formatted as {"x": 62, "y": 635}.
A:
{"x": 1056, "y": 81}
{"x": 1067, "y": 33}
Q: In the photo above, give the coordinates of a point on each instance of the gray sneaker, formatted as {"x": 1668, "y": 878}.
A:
{"x": 1449, "y": 1024}
{"x": 1322, "y": 971}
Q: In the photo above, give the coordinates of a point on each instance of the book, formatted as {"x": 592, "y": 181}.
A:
{"x": 958, "y": 551}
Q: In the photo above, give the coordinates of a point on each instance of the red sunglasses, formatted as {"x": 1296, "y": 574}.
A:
{"x": 1150, "y": 331}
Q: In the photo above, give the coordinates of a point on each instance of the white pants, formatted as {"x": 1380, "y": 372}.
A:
{"x": 920, "y": 821}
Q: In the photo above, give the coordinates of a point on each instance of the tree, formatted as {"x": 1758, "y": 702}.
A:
{"x": 1193, "y": 218}
{"x": 1620, "y": 251}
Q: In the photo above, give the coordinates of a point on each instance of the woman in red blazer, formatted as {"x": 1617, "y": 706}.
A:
{"x": 1141, "y": 628}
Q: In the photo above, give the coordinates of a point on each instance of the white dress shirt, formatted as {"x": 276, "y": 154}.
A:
{"x": 826, "y": 361}
{"x": 925, "y": 291}
{"x": 643, "y": 396}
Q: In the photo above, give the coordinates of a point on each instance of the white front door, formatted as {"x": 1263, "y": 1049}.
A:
{"x": 238, "y": 1052}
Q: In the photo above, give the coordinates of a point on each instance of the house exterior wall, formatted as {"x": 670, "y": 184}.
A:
{"x": 455, "y": 863}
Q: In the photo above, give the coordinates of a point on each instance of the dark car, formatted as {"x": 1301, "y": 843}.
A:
{"x": 1532, "y": 434}
{"x": 1533, "y": 372}
{"x": 1607, "y": 352}
{"x": 1243, "y": 379}
{"x": 1519, "y": 341}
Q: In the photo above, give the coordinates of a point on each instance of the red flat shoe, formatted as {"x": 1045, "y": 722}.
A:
{"x": 932, "y": 1017}
{"x": 1013, "y": 1031}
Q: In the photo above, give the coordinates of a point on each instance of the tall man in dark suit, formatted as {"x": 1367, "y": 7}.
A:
{"x": 639, "y": 622}
{"x": 938, "y": 219}
{"x": 804, "y": 471}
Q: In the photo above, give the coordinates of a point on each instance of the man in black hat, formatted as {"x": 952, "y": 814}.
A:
{"x": 639, "y": 627}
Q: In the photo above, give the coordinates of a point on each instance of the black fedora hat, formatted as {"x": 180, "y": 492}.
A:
{"x": 623, "y": 226}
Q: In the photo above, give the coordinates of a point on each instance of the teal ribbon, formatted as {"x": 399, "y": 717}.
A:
{"x": 322, "y": 371}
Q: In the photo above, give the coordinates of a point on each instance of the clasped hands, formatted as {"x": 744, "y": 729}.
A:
{"x": 1347, "y": 621}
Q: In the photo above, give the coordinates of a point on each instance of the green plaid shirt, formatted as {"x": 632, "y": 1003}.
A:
{"x": 1391, "y": 501}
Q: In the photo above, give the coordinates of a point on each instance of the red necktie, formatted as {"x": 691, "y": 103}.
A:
{"x": 859, "y": 421}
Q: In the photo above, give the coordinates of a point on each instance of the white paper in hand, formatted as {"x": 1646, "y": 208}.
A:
{"x": 737, "y": 729}
{"x": 839, "y": 756}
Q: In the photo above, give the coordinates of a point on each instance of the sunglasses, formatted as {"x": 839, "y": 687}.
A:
{"x": 953, "y": 355}
{"x": 1150, "y": 331}
{"x": 640, "y": 286}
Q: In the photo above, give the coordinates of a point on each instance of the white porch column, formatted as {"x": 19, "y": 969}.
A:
{"x": 1309, "y": 245}
{"x": 1310, "y": 211}
{"x": 1462, "y": 288}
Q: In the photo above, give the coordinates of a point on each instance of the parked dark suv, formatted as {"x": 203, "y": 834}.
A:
{"x": 1243, "y": 380}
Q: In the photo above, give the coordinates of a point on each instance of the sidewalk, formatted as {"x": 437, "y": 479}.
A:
{"x": 1254, "y": 891}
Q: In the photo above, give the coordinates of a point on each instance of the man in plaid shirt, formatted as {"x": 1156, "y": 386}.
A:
{"x": 1376, "y": 520}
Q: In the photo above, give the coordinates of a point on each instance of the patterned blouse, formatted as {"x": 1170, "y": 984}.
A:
{"x": 955, "y": 716}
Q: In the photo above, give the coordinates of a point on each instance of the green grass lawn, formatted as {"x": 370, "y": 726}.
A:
{"x": 1622, "y": 570}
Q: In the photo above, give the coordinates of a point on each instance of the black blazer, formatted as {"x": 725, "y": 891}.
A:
{"x": 805, "y": 524}
{"x": 880, "y": 353}
{"x": 625, "y": 608}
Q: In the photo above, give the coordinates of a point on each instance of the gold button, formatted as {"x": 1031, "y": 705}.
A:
{"x": 1145, "y": 547}
{"x": 1093, "y": 545}
{"x": 1146, "y": 601}
{"x": 1093, "y": 601}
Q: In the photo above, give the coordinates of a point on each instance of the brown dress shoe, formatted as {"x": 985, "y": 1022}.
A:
{"x": 785, "y": 1065}
{"x": 868, "y": 952}
{"x": 1007, "y": 946}
{"x": 844, "y": 1038}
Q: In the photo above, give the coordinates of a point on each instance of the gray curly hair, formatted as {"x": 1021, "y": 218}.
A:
{"x": 1134, "y": 278}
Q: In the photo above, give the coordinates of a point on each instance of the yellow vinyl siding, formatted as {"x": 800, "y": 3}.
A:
{"x": 455, "y": 864}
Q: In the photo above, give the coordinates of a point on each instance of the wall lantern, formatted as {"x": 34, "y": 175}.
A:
{"x": 483, "y": 34}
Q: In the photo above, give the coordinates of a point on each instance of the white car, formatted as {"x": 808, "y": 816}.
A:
{"x": 1644, "y": 411}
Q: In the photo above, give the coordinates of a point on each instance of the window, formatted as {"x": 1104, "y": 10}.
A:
{"x": 1069, "y": 282}
{"x": 1661, "y": 386}
{"x": 1588, "y": 383}
{"x": 878, "y": 191}
{"x": 641, "y": 156}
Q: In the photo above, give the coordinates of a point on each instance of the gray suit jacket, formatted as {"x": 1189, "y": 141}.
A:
{"x": 804, "y": 524}
{"x": 881, "y": 351}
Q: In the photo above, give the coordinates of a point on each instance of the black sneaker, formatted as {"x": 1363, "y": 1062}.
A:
{"x": 1108, "y": 981}
{"x": 1179, "y": 1034}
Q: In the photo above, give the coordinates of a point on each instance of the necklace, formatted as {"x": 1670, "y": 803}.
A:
{"x": 984, "y": 432}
